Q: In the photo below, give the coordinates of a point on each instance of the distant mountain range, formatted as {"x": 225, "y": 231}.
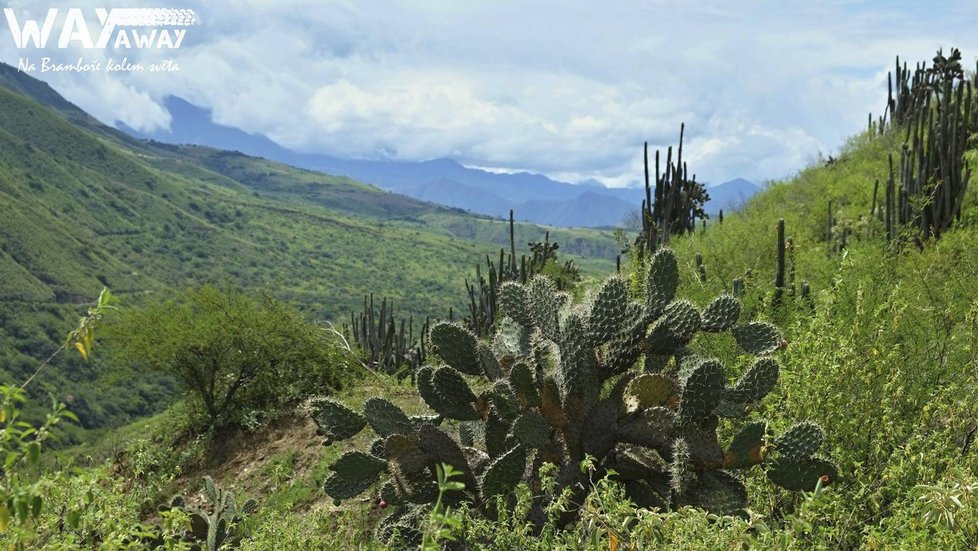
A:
{"x": 533, "y": 197}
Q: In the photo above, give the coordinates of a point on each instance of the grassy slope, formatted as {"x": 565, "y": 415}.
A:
{"x": 886, "y": 363}
{"x": 82, "y": 207}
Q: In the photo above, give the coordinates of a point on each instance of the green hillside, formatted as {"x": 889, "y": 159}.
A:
{"x": 839, "y": 415}
{"x": 82, "y": 207}
{"x": 881, "y": 355}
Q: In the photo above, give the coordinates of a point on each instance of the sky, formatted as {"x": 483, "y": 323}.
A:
{"x": 566, "y": 88}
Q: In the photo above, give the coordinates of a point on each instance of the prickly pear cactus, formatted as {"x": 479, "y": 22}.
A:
{"x": 615, "y": 378}
{"x": 217, "y": 528}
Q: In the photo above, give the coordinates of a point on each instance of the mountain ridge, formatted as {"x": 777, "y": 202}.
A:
{"x": 534, "y": 197}
{"x": 84, "y": 206}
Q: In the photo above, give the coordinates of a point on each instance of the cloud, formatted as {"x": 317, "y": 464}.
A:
{"x": 570, "y": 89}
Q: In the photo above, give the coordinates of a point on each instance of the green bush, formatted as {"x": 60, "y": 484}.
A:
{"x": 238, "y": 357}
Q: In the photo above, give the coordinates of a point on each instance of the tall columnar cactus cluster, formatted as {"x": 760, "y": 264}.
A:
{"x": 483, "y": 291}
{"x": 385, "y": 343}
{"x": 391, "y": 345}
{"x": 675, "y": 202}
{"x": 935, "y": 107}
{"x": 613, "y": 378}
{"x": 784, "y": 273}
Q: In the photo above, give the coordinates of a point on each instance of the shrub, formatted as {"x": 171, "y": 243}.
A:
{"x": 233, "y": 353}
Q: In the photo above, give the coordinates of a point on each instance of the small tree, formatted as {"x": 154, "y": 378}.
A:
{"x": 233, "y": 353}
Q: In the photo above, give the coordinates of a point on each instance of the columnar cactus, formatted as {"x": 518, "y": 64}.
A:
{"x": 384, "y": 343}
{"x": 935, "y": 109}
{"x": 672, "y": 202}
{"x": 613, "y": 378}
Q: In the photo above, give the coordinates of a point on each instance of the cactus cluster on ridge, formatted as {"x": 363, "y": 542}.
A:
{"x": 936, "y": 109}
{"x": 614, "y": 378}
{"x": 673, "y": 204}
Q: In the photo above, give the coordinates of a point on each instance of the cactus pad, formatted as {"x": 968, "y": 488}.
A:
{"x": 490, "y": 365}
{"x": 497, "y": 429}
{"x": 663, "y": 280}
{"x": 730, "y": 410}
{"x": 550, "y": 403}
{"x": 442, "y": 448}
{"x": 600, "y": 433}
{"x": 643, "y": 495}
{"x": 759, "y": 379}
{"x": 578, "y": 370}
{"x": 747, "y": 447}
{"x": 800, "y": 441}
{"x": 543, "y": 305}
{"x": 513, "y": 301}
{"x": 652, "y": 429}
{"x": 353, "y": 473}
{"x": 676, "y": 328}
{"x": 504, "y": 399}
{"x": 524, "y": 385}
{"x": 503, "y": 474}
{"x": 798, "y": 476}
{"x": 457, "y": 346}
{"x": 511, "y": 340}
{"x": 647, "y": 391}
{"x": 451, "y": 395}
{"x": 531, "y": 429}
{"x": 757, "y": 337}
{"x": 721, "y": 314}
{"x": 426, "y": 387}
{"x": 336, "y": 421}
{"x": 386, "y": 418}
{"x": 609, "y": 312}
{"x": 402, "y": 452}
{"x": 702, "y": 390}
{"x": 704, "y": 449}
{"x": 719, "y": 493}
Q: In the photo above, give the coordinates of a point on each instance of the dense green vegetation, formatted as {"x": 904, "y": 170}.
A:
{"x": 885, "y": 363}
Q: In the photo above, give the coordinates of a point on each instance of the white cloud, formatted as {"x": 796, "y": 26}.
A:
{"x": 568, "y": 89}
